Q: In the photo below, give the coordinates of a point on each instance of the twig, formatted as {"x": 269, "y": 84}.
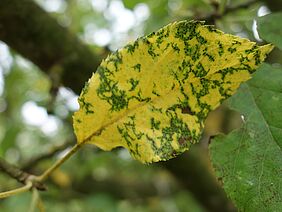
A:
{"x": 16, "y": 191}
{"x": 18, "y": 174}
{"x": 13, "y": 171}
{"x": 31, "y": 180}
{"x": 47, "y": 155}
{"x": 34, "y": 200}
{"x": 40, "y": 205}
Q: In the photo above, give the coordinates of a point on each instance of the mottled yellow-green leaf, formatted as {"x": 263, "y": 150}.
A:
{"x": 153, "y": 96}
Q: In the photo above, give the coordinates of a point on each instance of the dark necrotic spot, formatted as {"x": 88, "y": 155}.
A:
{"x": 155, "y": 93}
{"x": 211, "y": 58}
{"x": 160, "y": 37}
{"x": 155, "y": 124}
{"x": 146, "y": 41}
{"x": 236, "y": 42}
{"x": 151, "y": 51}
{"x": 137, "y": 67}
{"x": 137, "y": 149}
{"x": 211, "y": 29}
{"x": 154, "y": 90}
{"x": 175, "y": 47}
{"x": 116, "y": 59}
{"x": 220, "y": 48}
{"x": 244, "y": 59}
{"x": 88, "y": 107}
{"x": 151, "y": 34}
{"x": 187, "y": 30}
{"x": 131, "y": 47}
{"x": 133, "y": 83}
{"x": 85, "y": 89}
{"x": 139, "y": 97}
{"x": 201, "y": 39}
{"x": 200, "y": 70}
{"x": 182, "y": 141}
{"x": 187, "y": 110}
{"x": 231, "y": 50}
{"x": 257, "y": 57}
{"x": 173, "y": 86}
{"x": 124, "y": 133}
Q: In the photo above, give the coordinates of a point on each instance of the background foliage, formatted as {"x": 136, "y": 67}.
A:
{"x": 248, "y": 160}
{"x": 34, "y": 121}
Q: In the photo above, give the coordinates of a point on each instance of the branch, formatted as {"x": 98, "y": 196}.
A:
{"x": 13, "y": 171}
{"x": 26, "y": 178}
{"x": 20, "y": 176}
{"x": 36, "y": 202}
{"x": 16, "y": 191}
{"x": 33, "y": 33}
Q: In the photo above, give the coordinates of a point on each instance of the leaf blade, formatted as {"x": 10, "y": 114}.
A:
{"x": 153, "y": 95}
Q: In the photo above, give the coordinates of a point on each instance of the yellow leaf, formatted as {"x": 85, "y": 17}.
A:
{"x": 153, "y": 95}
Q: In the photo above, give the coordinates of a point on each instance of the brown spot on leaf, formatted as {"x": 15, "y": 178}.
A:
{"x": 187, "y": 110}
{"x": 183, "y": 140}
{"x": 174, "y": 153}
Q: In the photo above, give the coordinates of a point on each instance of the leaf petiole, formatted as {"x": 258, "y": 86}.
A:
{"x": 58, "y": 163}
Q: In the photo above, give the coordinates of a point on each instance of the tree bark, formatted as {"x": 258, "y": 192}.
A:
{"x": 33, "y": 33}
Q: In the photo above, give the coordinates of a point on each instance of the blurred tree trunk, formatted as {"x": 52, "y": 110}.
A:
{"x": 192, "y": 172}
{"x": 274, "y": 5}
{"x": 33, "y": 33}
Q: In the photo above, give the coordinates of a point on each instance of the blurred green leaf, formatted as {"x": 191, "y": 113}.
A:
{"x": 186, "y": 202}
{"x": 248, "y": 160}
{"x": 269, "y": 28}
{"x": 16, "y": 203}
{"x": 130, "y": 4}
